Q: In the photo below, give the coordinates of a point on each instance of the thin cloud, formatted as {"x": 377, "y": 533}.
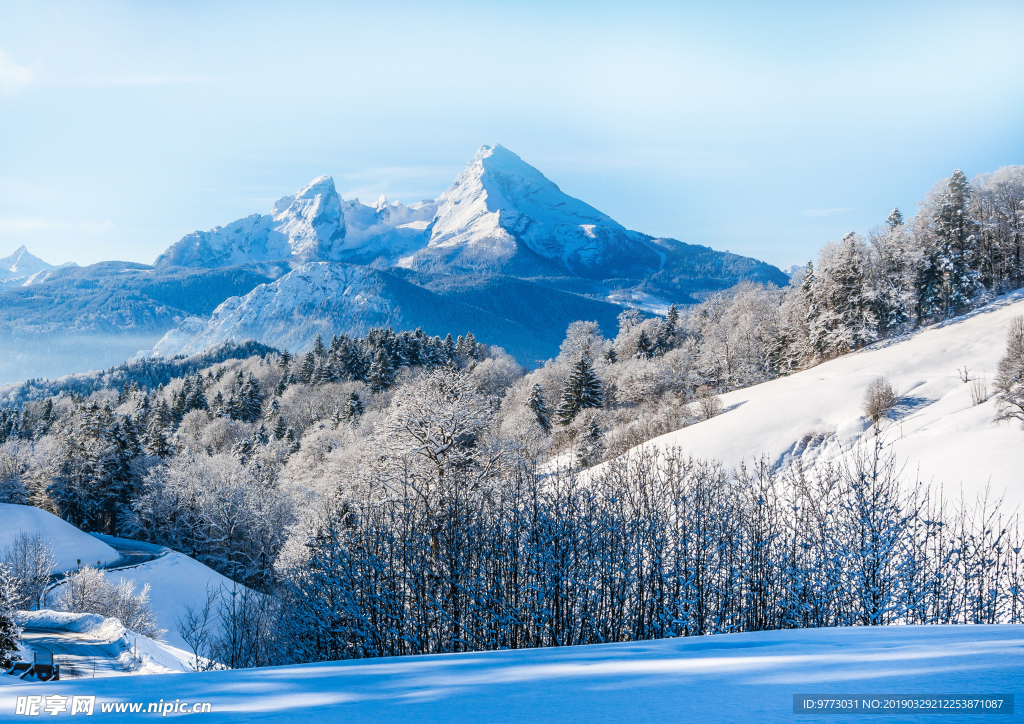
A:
{"x": 13, "y": 77}
{"x": 827, "y": 212}
{"x": 143, "y": 81}
{"x": 28, "y": 224}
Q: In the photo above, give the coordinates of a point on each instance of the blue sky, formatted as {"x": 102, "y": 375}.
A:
{"x": 765, "y": 129}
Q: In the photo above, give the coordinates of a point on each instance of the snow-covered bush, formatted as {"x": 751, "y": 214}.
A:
{"x": 88, "y": 591}
{"x": 30, "y": 561}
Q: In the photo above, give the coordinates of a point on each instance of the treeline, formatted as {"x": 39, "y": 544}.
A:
{"x": 454, "y": 557}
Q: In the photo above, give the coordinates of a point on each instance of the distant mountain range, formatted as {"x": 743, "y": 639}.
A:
{"x": 502, "y": 251}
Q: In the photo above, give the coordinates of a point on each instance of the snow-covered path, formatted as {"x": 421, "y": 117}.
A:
{"x": 749, "y": 677}
{"x": 79, "y": 655}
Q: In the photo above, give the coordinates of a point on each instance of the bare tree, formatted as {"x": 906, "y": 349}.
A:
{"x": 879, "y": 398}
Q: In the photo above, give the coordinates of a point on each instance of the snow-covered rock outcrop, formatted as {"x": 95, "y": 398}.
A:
{"x": 344, "y": 296}
{"x": 311, "y": 225}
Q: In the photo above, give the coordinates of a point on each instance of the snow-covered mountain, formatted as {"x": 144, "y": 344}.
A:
{"x": 23, "y": 269}
{"x": 502, "y": 214}
{"x": 936, "y": 430}
{"x": 311, "y": 225}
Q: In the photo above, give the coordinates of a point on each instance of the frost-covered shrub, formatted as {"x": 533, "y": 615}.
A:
{"x": 879, "y": 398}
{"x": 88, "y": 591}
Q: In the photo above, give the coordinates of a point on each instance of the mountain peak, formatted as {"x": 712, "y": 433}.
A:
{"x": 22, "y": 263}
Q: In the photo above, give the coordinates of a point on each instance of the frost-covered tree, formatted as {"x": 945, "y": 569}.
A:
{"x": 949, "y": 278}
{"x": 540, "y": 408}
{"x": 1009, "y": 381}
{"x": 582, "y": 391}
{"x": 844, "y": 310}
{"x": 8, "y": 626}
{"x": 30, "y": 560}
{"x": 382, "y": 373}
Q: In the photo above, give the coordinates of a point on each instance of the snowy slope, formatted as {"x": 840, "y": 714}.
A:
{"x": 69, "y": 544}
{"x": 750, "y": 677}
{"x": 936, "y": 429}
{"x": 499, "y": 202}
{"x": 279, "y": 311}
{"x": 332, "y": 297}
{"x": 176, "y": 581}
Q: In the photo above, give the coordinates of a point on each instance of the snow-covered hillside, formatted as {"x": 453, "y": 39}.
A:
{"x": 330, "y": 297}
{"x": 751, "y": 677}
{"x": 176, "y": 581}
{"x": 69, "y": 543}
{"x": 936, "y": 429}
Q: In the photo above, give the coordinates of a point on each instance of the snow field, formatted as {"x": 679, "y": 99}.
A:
{"x": 749, "y": 677}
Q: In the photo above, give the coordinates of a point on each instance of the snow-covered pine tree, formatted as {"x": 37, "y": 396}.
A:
{"x": 8, "y": 627}
{"x": 308, "y": 368}
{"x": 540, "y": 408}
{"x": 382, "y": 372}
{"x": 843, "y": 298}
{"x": 949, "y": 278}
{"x": 895, "y": 219}
{"x": 1009, "y": 381}
{"x": 591, "y": 444}
{"x": 582, "y": 391}
{"x": 472, "y": 350}
{"x": 354, "y": 408}
{"x": 643, "y": 346}
{"x": 318, "y": 348}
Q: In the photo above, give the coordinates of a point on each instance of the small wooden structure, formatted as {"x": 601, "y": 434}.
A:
{"x": 36, "y": 671}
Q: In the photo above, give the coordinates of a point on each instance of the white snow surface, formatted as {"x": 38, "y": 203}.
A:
{"x": 176, "y": 581}
{"x": 748, "y": 677}
{"x": 68, "y": 542}
{"x": 277, "y": 311}
{"x": 936, "y": 431}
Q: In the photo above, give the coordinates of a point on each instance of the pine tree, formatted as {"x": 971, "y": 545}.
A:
{"x": 319, "y": 350}
{"x": 591, "y": 444}
{"x": 472, "y": 350}
{"x": 643, "y": 346}
{"x": 8, "y": 627}
{"x": 950, "y": 278}
{"x": 540, "y": 408}
{"x": 354, "y": 408}
{"x": 308, "y": 368}
{"x": 280, "y": 428}
{"x": 582, "y": 391}
{"x": 382, "y": 372}
{"x": 251, "y": 402}
{"x": 895, "y": 219}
